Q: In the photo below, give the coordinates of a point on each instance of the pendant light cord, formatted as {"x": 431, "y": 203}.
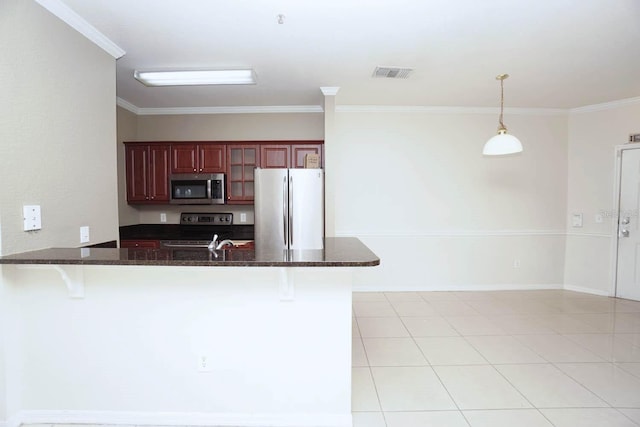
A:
{"x": 502, "y": 126}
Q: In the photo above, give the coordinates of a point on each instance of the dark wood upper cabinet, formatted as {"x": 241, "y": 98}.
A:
{"x": 147, "y": 173}
{"x": 149, "y": 164}
{"x": 212, "y": 158}
{"x": 198, "y": 158}
{"x": 299, "y": 151}
{"x": 275, "y": 156}
{"x": 243, "y": 159}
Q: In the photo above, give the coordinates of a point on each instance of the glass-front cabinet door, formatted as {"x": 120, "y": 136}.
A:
{"x": 243, "y": 159}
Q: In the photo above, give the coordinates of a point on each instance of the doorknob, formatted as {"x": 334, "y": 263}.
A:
{"x": 624, "y": 233}
{"x": 625, "y": 220}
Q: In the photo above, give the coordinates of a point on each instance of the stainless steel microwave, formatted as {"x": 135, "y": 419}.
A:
{"x": 197, "y": 189}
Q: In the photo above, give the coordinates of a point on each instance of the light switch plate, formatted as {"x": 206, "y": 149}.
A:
{"x": 576, "y": 220}
{"x": 32, "y": 217}
{"x": 84, "y": 234}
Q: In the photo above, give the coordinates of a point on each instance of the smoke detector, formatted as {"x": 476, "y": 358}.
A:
{"x": 392, "y": 72}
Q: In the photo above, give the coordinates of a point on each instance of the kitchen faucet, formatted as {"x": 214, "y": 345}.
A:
{"x": 225, "y": 242}
{"x": 214, "y": 245}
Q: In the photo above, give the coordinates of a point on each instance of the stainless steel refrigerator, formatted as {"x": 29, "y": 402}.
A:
{"x": 289, "y": 209}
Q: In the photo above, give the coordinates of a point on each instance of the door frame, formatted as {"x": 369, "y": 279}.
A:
{"x": 615, "y": 217}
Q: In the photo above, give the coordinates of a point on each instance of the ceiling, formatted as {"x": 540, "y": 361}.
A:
{"x": 559, "y": 53}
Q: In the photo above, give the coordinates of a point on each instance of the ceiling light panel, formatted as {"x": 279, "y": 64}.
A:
{"x": 196, "y": 77}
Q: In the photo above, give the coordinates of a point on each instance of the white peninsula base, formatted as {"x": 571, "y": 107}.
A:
{"x": 150, "y": 345}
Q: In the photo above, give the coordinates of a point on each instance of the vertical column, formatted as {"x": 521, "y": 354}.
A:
{"x": 329, "y": 158}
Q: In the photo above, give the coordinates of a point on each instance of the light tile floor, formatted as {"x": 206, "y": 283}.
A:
{"x": 504, "y": 358}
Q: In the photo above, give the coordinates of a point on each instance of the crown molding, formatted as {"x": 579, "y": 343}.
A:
{"x": 266, "y": 109}
{"x": 329, "y": 90}
{"x": 606, "y": 105}
{"x": 78, "y": 23}
{"x": 127, "y": 105}
{"x": 449, "y": 110}
{"x": 399, "y": 109}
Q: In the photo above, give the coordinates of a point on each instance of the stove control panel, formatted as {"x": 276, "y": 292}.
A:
{"x": 206, "y": 218}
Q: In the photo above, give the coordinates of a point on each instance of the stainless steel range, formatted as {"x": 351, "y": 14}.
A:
{"x": 217, "y": 224}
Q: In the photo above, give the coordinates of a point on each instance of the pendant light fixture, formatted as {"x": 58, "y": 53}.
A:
{"x": 502, "y": 143}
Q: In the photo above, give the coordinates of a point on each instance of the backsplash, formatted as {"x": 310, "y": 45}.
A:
{"x": 152, "y": 214}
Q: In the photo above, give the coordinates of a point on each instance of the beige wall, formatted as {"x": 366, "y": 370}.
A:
{"x": 58, "y": 127}
{"x": 416, "y": 188}
{"x": 593, "y": 136}
{"x": 230, "y": 127}
{"x": 57, "y": 133}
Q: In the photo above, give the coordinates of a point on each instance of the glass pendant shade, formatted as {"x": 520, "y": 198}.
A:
{"x": 502, "y": 143}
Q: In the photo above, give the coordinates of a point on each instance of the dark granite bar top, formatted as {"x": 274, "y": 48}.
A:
{"x": 337, "y": 252}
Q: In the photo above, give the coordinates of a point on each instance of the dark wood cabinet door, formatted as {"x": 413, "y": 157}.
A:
{"x": 298, "y": 151}
{"x": 137, "y": 174}
{"x": 212, "y": 158}
{"x": 241, "y": 161}
{"x": 184, "y": 158}
{"x": 275, "y": 156}
{"x": 158, "y": 173}
{"x": 131, "y": 244}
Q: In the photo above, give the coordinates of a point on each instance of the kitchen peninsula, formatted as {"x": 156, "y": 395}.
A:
{"x": 235, "y": 337}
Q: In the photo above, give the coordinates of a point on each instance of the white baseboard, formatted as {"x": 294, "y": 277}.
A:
{"x": 469, "y": 287}
{"x": 587, "y": 290}
{"x": 179, "y": 419}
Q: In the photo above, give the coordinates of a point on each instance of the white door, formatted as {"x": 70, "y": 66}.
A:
{"x": 628, "y": 268}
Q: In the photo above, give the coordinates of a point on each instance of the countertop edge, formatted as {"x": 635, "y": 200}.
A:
{"x": 371, "y": 263}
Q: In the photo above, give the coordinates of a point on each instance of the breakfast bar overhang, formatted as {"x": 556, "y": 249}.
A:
{"x": 221, "y": 338}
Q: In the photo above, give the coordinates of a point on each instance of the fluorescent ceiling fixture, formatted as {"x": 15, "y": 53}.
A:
{"x": 196, "y": 77}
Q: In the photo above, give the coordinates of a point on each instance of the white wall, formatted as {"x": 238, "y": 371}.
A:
{"x": 593, "y": 135}
{"x": 57, "y": 127}
{"x": 415, "y": 187}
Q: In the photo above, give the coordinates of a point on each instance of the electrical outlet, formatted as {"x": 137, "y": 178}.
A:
{"x": 163, "y": 217}
{"x": 204, "y": 364}
{"x": 84, "y": 234}
{"x": 516, "y": 263}
{"x": 243, "y": 217}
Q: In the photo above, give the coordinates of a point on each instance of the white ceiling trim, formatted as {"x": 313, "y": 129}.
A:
{"x": 266, "y": 109}
{"x": 285, "y": 109}
{"x": 127, "y": 106}
{"x": 606, "y": 105}
{"x": 448, "y": 110}
{"x": 75, "y": 21}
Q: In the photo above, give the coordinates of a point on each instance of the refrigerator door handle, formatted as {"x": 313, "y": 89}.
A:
{"x": 284, "y": 210}
{"x": 290, "y": 212}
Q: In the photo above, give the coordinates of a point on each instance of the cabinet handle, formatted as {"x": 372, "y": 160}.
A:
{"x": 194, "y": 170}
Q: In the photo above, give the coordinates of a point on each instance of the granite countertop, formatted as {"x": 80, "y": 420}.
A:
{"x": 337, "y": 252}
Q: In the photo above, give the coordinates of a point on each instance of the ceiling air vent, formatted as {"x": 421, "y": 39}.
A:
{"x": 392, "y": 72}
